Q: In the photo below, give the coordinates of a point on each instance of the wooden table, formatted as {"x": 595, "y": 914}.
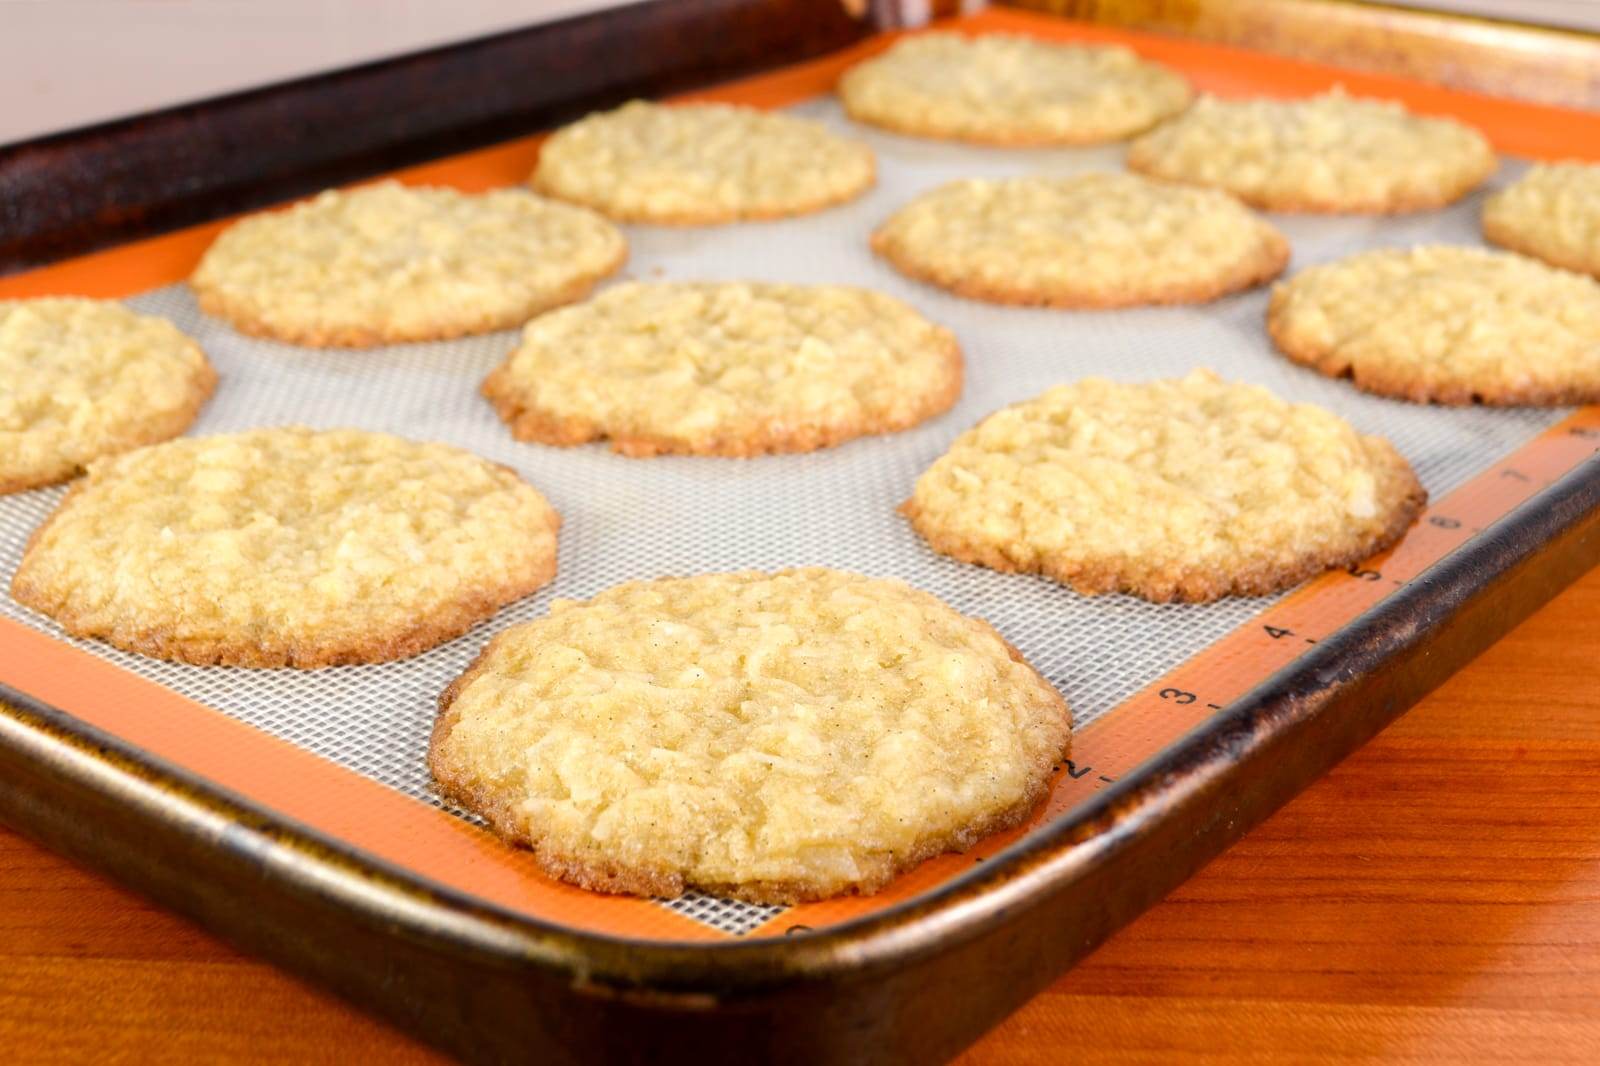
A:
{"x": 1435, "y": 899}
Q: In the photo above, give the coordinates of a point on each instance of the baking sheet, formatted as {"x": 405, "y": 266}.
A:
{"x": 627, "y": 518}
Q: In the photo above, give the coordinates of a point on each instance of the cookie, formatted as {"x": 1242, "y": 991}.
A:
{"x": 1186, "y": 489}
{"x": 1006, "y": 89}
{"x": 287, "y": 547}
{"x": 1441, "y": 324}
{"x": 701, "y": 164}
{"x": 1088, "y": 241}
{"x": 1330, "y": 153}
{"x": 1552, "y": 213}
{"x": 729, "y": 369}
{"x": 80, "y": 379}
{"x": 388, "y": 263}
{"x": 765, "y": 737}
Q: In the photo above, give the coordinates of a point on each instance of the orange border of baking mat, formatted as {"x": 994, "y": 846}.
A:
{"x": 435, "y": 845}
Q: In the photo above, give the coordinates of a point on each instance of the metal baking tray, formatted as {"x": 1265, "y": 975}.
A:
{"x": 291, "y": 810}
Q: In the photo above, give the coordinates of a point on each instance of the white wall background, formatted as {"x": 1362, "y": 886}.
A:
{"x": 1572, "y": 14}
{"x": 68, "y": 63}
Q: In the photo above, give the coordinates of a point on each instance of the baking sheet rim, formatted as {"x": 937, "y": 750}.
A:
{"x": 1509, "y": 124}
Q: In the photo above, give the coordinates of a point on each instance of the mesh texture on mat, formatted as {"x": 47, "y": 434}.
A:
{"x": 628, "y": 518}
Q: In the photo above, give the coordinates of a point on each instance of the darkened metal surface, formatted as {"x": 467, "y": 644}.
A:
{"x": 912, "y": 984}
{"x": 1497, "y": 57}
{"x": 73, "y": 192}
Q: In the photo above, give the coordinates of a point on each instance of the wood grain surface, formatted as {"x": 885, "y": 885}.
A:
{"x": 1436, "y": 899}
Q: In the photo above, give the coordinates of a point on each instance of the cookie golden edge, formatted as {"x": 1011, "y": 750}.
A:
{"x": 622, "y": 880}
{"x": 1401, "y": 498}
{"x": 159, "y": 642}
{"x": 245, "y": 316}
{"x": 528, "y": 423}
{"x": 1401, "y": 385}
{"x": 1087, "y": 135}
{"x": 153, "y": 430}
{"x": 1268, "y": 262}
{"x": 1100, "y": 135}
{"x": 709, "y": 217}
{"x": 1512, "y": 238}
{"x": 1291, "y": 204}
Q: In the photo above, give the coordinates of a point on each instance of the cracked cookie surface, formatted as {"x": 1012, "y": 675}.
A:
{"x": 1006, "y": 89}
{"x": 1551, "y": 213}
{"x": 701, "y": 164}
{"x": 1445, "y": 324}
{"x": 1183, "y": 489}
{"x": 390, "y": 263}
{"x": 81, "y": 379}
{"x": 767, "y": 737}
{"x": 1329, "y": 153}
{"x": 731, "y": 369}
{"x": 1093, "y": 240}
{"x": 287, "y": 547}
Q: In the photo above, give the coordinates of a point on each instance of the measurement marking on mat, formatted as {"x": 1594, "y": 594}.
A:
{"x": 1514, "y": 475}
{"x": 1279, "y": 632}
{"x": 1075, "y": 771}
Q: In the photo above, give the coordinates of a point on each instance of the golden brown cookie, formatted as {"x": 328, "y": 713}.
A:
{"x": 766, "y": 737}
{"x": 701, "y": 164}
{"x": 389, "y": 263}
{"x": 1011, "y": 90}
{"x": 1444, "y": 324}
{"x": 1551, "y": 213}
{"x": 732, "y": 369}
{"x": 287, "y": 547}
{"x": 1328, "y": 153}
{"x": 1186, "y": 489}
{"x": 1089, "y": 241}
{"x": 80, "y": 379}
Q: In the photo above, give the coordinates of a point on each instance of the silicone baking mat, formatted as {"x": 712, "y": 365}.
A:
{"x": 343, "y": 749}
